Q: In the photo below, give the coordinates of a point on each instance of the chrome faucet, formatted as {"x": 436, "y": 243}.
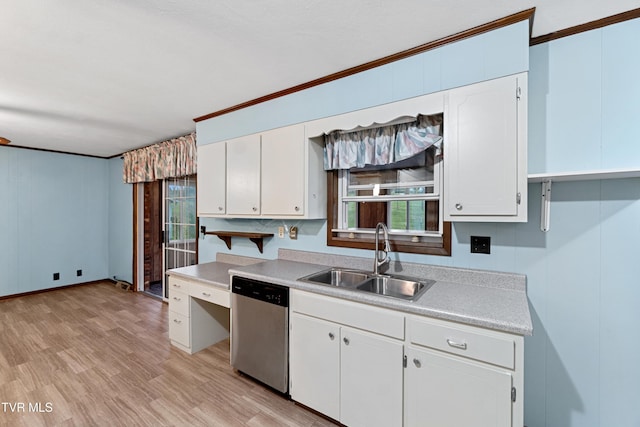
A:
{"x": 377, "y": 262}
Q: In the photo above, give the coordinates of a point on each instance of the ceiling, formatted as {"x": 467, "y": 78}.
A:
{"x": 105, "y": 76}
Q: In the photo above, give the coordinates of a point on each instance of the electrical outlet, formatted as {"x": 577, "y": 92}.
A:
{"x": 293, "y": 233}
{"x": 480, "y": 245}
{"x": 78, "y": 273}
{"x": 281, "y": 232}
{"x": 56, "y": 276}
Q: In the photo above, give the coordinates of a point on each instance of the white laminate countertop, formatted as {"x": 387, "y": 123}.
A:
{"x": 499, "y": 308}
{"x": 495, "y": 308}
{"x": 211, "y": 273}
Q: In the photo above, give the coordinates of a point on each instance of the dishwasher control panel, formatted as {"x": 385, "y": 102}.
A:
{"x": 263, "y": 291}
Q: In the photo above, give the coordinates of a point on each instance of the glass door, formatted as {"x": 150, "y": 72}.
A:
{"x": 180, "y": 242}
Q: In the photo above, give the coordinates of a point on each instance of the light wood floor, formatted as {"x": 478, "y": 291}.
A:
{"x": 96, "y": 355}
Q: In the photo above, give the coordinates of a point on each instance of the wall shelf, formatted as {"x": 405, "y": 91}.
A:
{"x": 585, "y": 175}
{"x": 226, "y": 236}
{"x": 547, "y": 178}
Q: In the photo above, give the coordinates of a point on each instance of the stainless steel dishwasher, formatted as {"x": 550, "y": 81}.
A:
{"x": 260, "y": 331}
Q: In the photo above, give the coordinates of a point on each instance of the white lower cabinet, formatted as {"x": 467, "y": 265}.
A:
{"x": 314, "y": 364}
{"x": 370, "y": 379}
{"x": 446, "y": 391}
{"x": 198, "y": 314}
{"x": 350, "y": 375}
{"x": 460, "y": 375}
{"x": 179, "y": 313}
{"x": 360, "y": 365}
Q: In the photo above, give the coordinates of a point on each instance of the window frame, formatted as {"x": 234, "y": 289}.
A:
{"x": 397, "y": 245}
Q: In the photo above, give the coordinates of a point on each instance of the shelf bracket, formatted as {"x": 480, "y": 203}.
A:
{"x": 545, "y": 205}
{"x": 227, "y": 240}
{"x": 226, "y": 236}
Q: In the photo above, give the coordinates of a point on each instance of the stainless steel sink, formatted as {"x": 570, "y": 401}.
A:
{"x": 394, "y": 286}
{"x": 398, "y": 287}
{"x": 337, "y": 277}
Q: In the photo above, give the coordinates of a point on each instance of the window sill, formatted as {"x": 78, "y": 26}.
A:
{"x": 441, "y": 248}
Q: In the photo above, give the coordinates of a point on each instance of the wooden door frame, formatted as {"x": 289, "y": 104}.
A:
{"x": 138, "y": 235}
{"x": 138, "y": 224}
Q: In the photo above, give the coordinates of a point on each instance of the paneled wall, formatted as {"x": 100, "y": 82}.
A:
{"x": 494, "y": 54}
{"x": 53, "y": 219}
{"x": 584, "y": 104}
{"x": 583, "y": 274}
{"x": 120, "y": 223}
{"x": 61, "y": 213}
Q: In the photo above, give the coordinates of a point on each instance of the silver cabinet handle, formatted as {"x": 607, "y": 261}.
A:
{"x": 331, "y": 336}
{"x": 346, "y": 340}
{"x": 177, "y": 321}
{"x": 296, "y": 208}
{"x": 175, "y": 285}
{"x": 206, "y": 294}
{"x": 461, "y": 346}
{"x": 254, "y": 208}
{"x": 220, "y": 208}
{"x": 177, "y": 299}
{"x": 459, "y": 206}
{"x": 417, "y": 363}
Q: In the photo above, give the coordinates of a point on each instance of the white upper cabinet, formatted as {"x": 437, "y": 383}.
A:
{"x": 279, "y": 173}
{"x": 243, "y": 176}
{"x": 294, "y": 183}
{"x": 212, "y": 179}
{"x": 274, "y": 174}
{"x": 283, "y": 171}
{"x": 485, "y": 153}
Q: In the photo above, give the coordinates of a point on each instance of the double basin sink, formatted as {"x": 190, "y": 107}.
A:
{"x": 402, "y": 287}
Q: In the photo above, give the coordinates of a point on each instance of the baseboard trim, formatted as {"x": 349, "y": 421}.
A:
{"x": 24, "y": 294}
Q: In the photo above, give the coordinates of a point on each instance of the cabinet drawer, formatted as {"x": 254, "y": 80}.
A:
{"x": 179, "y": 302}
{"x": 219, "y": 296}
{"x": 362, "y": 316}
{"x": 483, "y": 345}
{"x": 178, "y": 284}
{"x": 179, "y": 329}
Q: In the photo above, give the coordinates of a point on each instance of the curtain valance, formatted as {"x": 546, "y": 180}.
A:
{"x": 169, "y": 159}
{"x": 382, "y": 145}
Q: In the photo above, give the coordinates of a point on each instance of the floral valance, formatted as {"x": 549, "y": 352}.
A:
{"x": 174, "y": 158}
{"x": 382, "y": 145}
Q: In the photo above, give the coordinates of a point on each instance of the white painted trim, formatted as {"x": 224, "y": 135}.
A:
{"x": 584, "y": 175}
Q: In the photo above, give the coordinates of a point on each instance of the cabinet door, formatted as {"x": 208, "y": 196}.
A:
{"x": 371, "y": 382}
{"x": 283, "y": 171}
{"x": 212, "y": 179}
{"x": 481, "y": 150}
{"x": 447, "y": 391}
{"x": 314, "y": 364}
{"x": 243, "y": 176}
